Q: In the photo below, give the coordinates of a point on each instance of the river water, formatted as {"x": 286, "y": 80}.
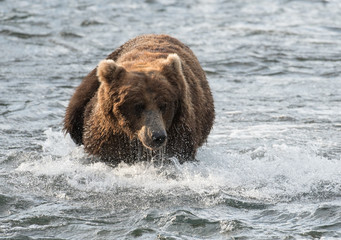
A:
{"x": 271, "y": 168}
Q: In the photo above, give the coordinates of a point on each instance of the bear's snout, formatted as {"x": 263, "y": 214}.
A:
{"x": 153, "y": 134}
{"x": 159, "y": 138}
{"x": 152, "y": 139}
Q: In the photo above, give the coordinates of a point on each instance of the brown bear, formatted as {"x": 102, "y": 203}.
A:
{"x": 149, "y": 97}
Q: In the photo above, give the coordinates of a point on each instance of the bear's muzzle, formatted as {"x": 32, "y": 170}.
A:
{"x": 153, "y": 134}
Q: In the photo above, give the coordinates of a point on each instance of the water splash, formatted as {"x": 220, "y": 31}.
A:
{"x": 268, "y": 173}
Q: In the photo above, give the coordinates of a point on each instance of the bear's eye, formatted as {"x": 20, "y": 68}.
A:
{"x": 139, "y": 108}
{"x": 163, "y": 107}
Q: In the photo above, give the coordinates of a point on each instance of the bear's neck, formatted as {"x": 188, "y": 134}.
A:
{"x": 102, "y": 139}
{"x": 103, "y": 121}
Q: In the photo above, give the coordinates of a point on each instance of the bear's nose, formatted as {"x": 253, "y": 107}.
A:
{"x": 159, "y": 138}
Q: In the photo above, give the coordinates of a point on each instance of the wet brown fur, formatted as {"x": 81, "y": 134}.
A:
{"x": 148, "y": 67}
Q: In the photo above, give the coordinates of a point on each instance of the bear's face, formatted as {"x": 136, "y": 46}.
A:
{"x": 142, "y": 103}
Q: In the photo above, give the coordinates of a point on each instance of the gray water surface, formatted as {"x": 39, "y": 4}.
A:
{"x": 271, "y": 168}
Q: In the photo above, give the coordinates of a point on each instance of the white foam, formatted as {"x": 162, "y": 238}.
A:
{"x": 269, "y": 173}
{"x": 261, "y": 131}
{"x": 57, "y": 144}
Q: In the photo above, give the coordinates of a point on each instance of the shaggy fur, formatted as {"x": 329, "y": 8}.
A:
{"x": 150, "y": 93}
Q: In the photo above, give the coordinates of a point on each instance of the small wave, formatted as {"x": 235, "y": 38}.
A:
{"x": 65, "y": 34}
{"x": 23, "y": 35}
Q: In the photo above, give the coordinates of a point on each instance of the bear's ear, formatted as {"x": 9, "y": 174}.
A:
{"x": 108, "y": 71}
{"x": 173, "y": 64}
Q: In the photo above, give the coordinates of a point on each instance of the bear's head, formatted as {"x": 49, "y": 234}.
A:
{"x": 142, "y": 102}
